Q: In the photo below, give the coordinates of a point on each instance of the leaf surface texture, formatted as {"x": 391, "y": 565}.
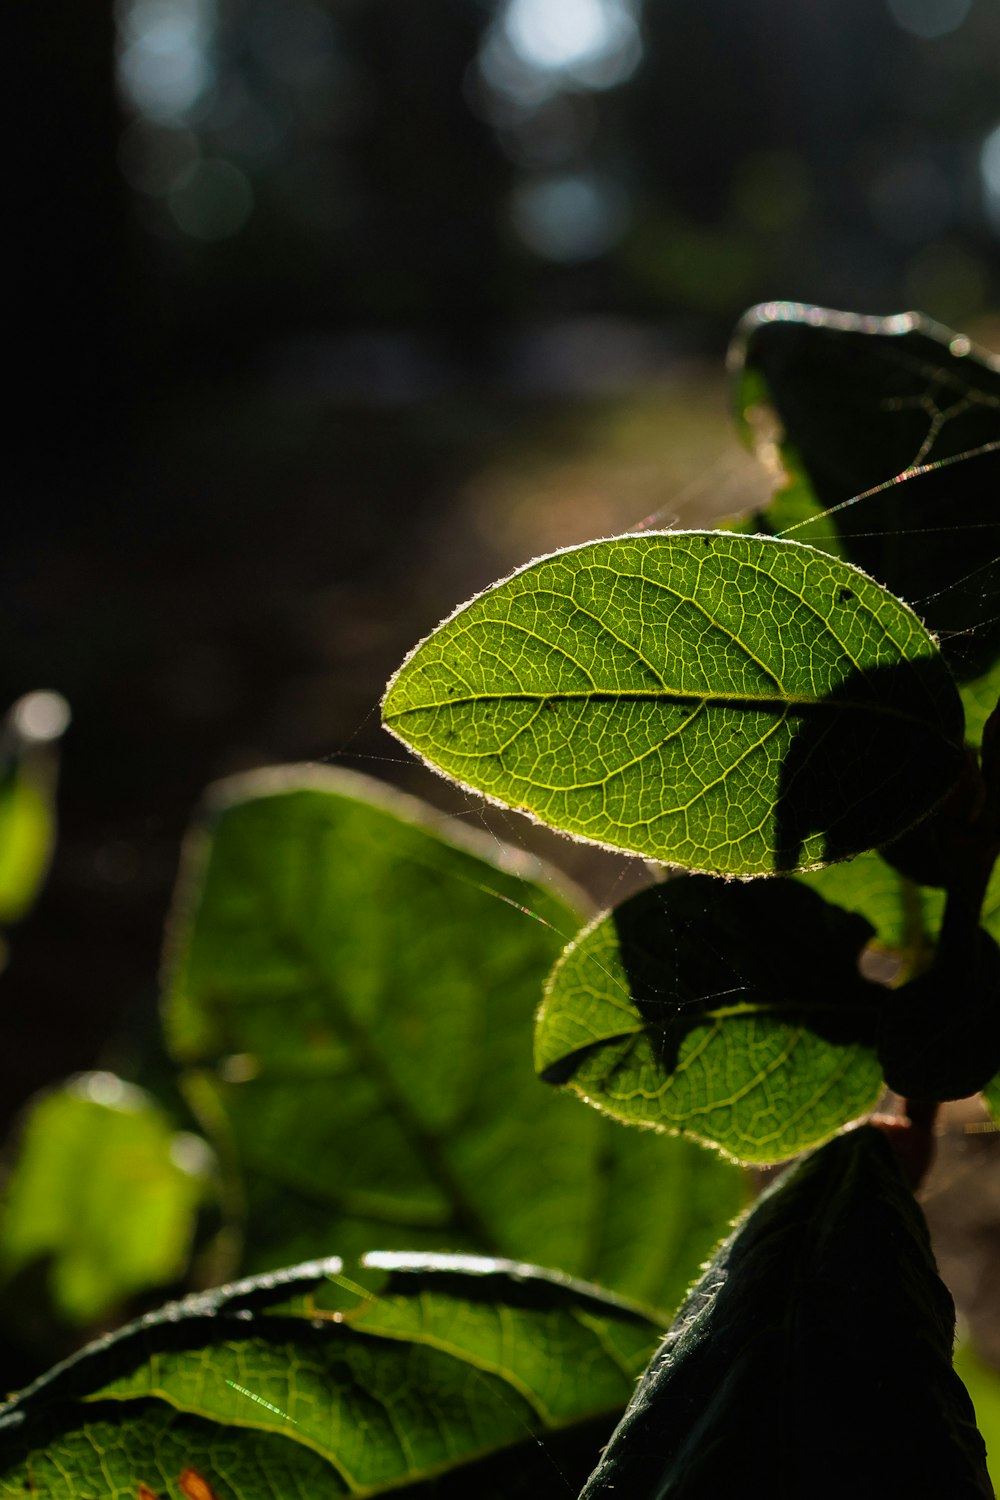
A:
{"x": 732, "y": 1012}
{"x": 813, "y": 1357}
{"x": 733, "y": 704}
{"x": 351, "y": 993}
{"x": 310, "y": 1383}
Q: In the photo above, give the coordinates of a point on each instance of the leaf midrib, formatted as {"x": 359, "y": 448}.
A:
{"x": 777, "y": 702}
{"x": 425, "y": 1143}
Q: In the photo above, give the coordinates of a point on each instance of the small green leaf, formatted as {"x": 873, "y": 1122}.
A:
{"x": 991, "y": 1094}
{"x": 979, "y": 699}
{"x": 990, "y": 914}
{"x": 106, "y": 1190}
{"x": 728, "y": 703}
{"x": 982, "y": 1382}
{"x": 734, "y": 1013}
{"x": 905, "y": 916}
{"x": 26, "y": 839}
{"x": 812, "y": 1359}
{"x": 859, "y": 402}
{"x": 28, "y": 770}
{"x": 353, "y": 980}
{"x": 315, "y": 1382}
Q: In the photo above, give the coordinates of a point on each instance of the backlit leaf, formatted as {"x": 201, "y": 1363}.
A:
{"x": 312, "y": 1382}
{"x": 979, "y": 699}
{"x": 812, "y": 1359}
{"x": 982, "y": 1382}
{"x": 351, "y": 991}
{"x": 859, "y": 402}
{"x": 733, "y": 1012}
{"x": 106, "y": 1191}
{"x": 905, "y": 916}
{"x": 28, "y": 770}
{"x": 733, "y": 704}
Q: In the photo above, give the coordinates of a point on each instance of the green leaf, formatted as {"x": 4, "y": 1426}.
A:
{"x": 979, "y": 699}
{"x": 106, "y": 1190}
{"x": 813, "y": 1358}
{"x": 860, "y": 401}
{"x": 27, "y": 833}
{"x": 311, "y": 1382}
{"x": 982, "y": 1382}
{"x": 28, "y": 770}
{"x": 732, "y": 1012}
{"x": 733, "y": 704}
{"x": 990, "y": 914}
{"x": 991, "y": 1094}
{"x": 904, "y": 916}
{"x": 353, "y": 982}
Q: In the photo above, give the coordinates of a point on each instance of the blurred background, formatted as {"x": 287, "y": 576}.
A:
{"x": 326, "y": 313}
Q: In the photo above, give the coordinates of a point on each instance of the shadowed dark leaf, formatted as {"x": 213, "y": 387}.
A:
{"x": 860, "y": 401}
{"x": 812, "y": 1359}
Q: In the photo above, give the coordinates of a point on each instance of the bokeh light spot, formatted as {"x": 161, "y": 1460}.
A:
{"x": 213, "y": 202}
{"x": 989, "y": 171}
{"x": 572, "y": 35}
{"x": 929, "y": 19}
{"x": 571, "y": 216}
{"x": 163, "y": 60}
{"x": 40, "y": 717}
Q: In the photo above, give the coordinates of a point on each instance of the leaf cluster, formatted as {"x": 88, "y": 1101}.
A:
{"x": 793, "y": 717}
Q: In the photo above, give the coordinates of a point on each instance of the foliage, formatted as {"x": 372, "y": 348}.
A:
{"x": 804, "y": 702}
{"x": 833, "y": 1252}
{"x": 317, "y": 1382}
{"x": 107, "y": 1190}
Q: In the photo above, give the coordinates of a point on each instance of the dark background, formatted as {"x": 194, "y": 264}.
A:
{"x": 326, "y": 312}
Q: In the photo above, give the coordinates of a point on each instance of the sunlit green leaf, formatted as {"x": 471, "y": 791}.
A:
{"x": 316, "y": 1383}
{"x": 860, "y": 401}
{"x": 905, "y": 916}
{"x": 106, "y": 1191}
{"x": 979, "y": 698}
{"x": 352, "y": 987}
{"x": 26, "y": 838}
{"x": 990, "y": 915}
{"x": 733, "y": 1012}
{"x": 733, "y": 704}
{"x": 813, "y": 1358}
{"x": 27, "y": 798}
{"x": 982, "y": 1382}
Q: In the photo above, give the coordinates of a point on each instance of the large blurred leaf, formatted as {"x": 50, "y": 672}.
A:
{"x": 860, "y": 401}
{"x": 812, "y": 1359}
{"x": 732, "y": 1012}
{"x": 732, "y": 704}
{"x": 309, "y": 1383}
{"x": 103, "y": 1188}
{"x": 352, "y": 989}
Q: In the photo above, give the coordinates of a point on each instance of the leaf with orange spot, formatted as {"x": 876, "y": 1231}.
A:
{"x": 195, "y": 1486}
